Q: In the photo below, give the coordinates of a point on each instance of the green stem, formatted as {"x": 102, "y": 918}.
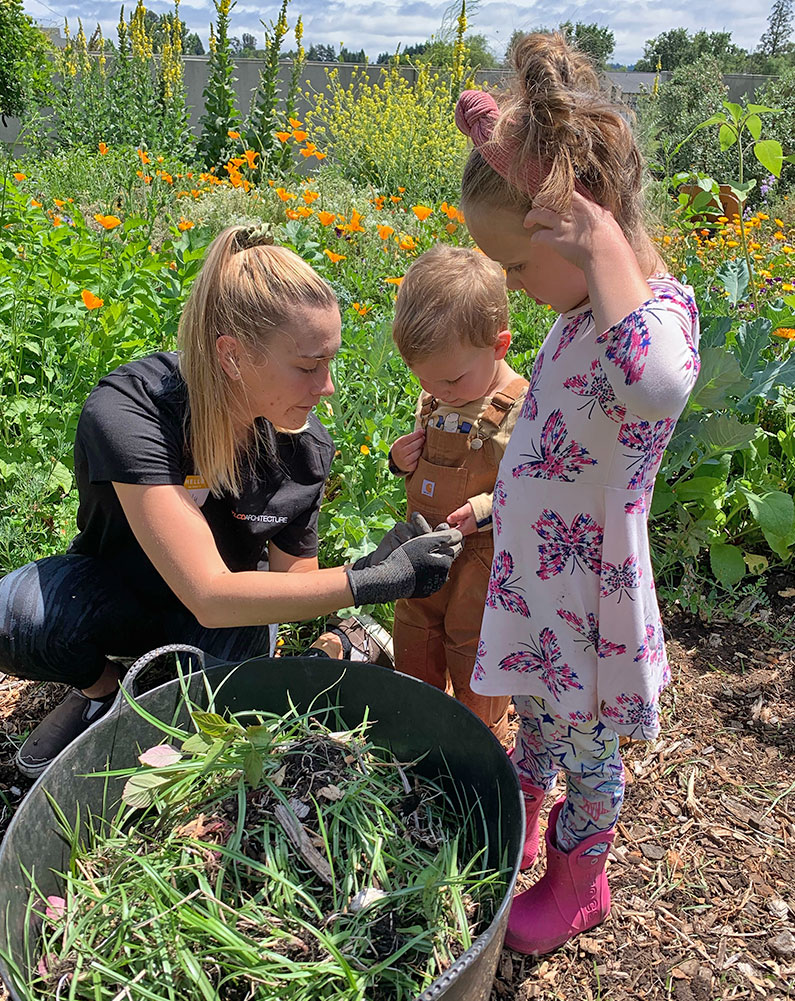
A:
{"x": 743, "y": 239}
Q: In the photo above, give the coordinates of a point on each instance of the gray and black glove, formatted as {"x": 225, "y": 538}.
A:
{"x": 414, "y": 570}
{"x": 400, "y": 532}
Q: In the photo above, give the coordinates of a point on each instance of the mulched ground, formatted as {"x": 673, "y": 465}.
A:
{"x": 703, "y": 869}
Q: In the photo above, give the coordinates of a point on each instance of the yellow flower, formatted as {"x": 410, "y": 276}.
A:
{"x": 732, "y": 243}
{"x": 91, "y": 301}
{"x": 364, "y": 450}
{"x": 108, "y": 221}
{"x": 421, "y": 212}
{"x": 326, "y": 218}
{"x": 232, "y": 134}
{"x": 385, "y": 232}
{"x": 19, "y": 176}
{"x": 185, "y": 224}
{"x": 334, "y": 258}
{"x": 103, "y": 148}
{"x": 788, "y": 287}
{"x": 787, "y": 249}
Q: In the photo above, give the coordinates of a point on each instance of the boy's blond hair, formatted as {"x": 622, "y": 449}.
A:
{"x": 449, "y": 295}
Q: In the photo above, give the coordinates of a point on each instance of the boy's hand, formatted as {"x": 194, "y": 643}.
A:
{"x": 407, "y": 450}
{"x": 463, "y": 518}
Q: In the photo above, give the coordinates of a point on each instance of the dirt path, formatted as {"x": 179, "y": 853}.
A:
{"x": 703, "y": 869}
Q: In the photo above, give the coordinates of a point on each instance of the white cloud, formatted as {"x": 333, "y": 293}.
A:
{"x": 379, "y": 27}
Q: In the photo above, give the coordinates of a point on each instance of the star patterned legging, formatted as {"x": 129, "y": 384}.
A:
{"x": 588, "y": 754}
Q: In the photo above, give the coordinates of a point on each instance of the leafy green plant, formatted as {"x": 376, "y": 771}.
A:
{"x": 25, "y": 70}
{"x": 220, "y": 112}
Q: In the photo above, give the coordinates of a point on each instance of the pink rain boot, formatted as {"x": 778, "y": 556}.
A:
{"x": 533, "y": 801}
{"x": 571, "y": 897}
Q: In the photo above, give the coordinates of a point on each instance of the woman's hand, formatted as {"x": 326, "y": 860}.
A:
{"x": 415, "y": 570}
{"x": 407, "y": 449}
{"x": 463, "y": 518}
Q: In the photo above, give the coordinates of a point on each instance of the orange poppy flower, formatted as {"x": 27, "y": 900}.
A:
{"x": 251, "y": 156}
{"x": 394, "y": 281}
{"x": 299, "y": 135}
{"x": 334, "y": 258}
{"x": 304, "y": 211}
{"x": 326, "y": 218}
{"x": 283, "y": 136}
{"x": 284, "y": 194}
{"x": 385, "y": 232}
{"x": 103, "y": 148}
{"x": 355, "y": 225}
{"x": 108, "y": 221}
{"x": 401, "y": 190}
{"x": 449, "y": 210}
{"x": 787, "y": 332}
{"x": 184, "y": 224}
{"x": 19, "y": 176}
{"x": 56, "y": 221}
{"x": 395, "y": 199}
{"x": 451, "y": 227}
{"x": 91, "y": 301}
{"x": 408, "y": 243}
{"x": 291, "y": 214}
{"x": 362, "y": 310}
{"x": 34, "y": 204}
{"x": 309, "y": 150}
{"x": 364, "y": 448}
{"x": 59, "y": 202}
{"x": 232, "y": 134}
{"x": 310, "y": 196}
{"x": 421, "y": 212}
{"x": 294, "y": 123}
{"x": 321, "y": 156}
{"x": 144, "y": 156}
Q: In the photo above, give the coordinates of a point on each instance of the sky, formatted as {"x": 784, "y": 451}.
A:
{"x": 381, "y": 25}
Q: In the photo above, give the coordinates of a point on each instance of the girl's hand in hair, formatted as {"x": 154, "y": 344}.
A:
{"x": 580, "y": 234}
{"x": 588, "y": 236}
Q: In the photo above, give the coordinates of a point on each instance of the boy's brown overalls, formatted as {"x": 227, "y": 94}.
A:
{"x": 436, "y": 638}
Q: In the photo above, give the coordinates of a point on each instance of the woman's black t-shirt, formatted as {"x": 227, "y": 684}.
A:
{"x": 132, "y": 429}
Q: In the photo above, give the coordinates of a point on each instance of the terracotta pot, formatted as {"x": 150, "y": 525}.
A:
{"x": 725, "y": 203}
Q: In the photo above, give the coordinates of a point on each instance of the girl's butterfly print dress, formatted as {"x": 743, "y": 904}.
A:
{"x": 571, "y": 614}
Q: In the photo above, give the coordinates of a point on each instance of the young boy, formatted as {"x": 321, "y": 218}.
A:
{"x": 451, "y": 329}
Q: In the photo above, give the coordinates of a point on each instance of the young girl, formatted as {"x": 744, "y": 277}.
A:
{"x": 197, "y": 471}
{"x": 552, "y": 191}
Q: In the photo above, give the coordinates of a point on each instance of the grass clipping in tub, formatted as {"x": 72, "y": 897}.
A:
{"x": 268, "y": 857}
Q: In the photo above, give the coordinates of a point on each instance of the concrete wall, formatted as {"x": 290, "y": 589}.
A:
{"x": 625, "y": 86}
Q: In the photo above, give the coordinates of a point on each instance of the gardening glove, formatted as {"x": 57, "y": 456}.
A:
{"x": 414, "y": 570}
{"x": 400, "y": 532}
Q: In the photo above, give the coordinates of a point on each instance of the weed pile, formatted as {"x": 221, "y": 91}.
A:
{"x": 274, "y": 859}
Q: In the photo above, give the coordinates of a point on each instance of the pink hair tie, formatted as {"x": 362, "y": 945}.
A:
{"x": 476, "y": 114}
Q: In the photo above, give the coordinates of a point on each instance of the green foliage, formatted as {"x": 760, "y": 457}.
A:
{"x": 776, "y": 40}
{"x": 592, "y": 38}
{"x": 25, "y": 70}
{"x": 267, "y": 114}
{"x": 677, "y": 47}
{"x": 220, "y": 112}
{"x": 392, "y": 132}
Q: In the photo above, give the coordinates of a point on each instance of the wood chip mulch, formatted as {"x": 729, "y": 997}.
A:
{"x": 702, "y": 871}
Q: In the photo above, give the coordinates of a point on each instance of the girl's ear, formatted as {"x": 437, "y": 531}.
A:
{"x": 501, "y": 344}
{"x": 228, "y": 350}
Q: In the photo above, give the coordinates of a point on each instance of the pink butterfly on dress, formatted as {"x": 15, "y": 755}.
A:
{"x": 596, "y": 389}
{"x": 530, "y": 405}
{"x": 542, "y": 657}
{"x": 554, "y": 459}
{"x": 571, "y": 330}
{"x": 652, "y": 650}
{"x": 623, "y": 579}
{"x": 478, "y": 673}
{"x": 498, "y": 501}
{"x": 502, "y": 590}
{"x": 650, "y": 440}
{"x": 590, "y": 634}
{"x": 580, "y": 542}
{"x": 628, "y": 344}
